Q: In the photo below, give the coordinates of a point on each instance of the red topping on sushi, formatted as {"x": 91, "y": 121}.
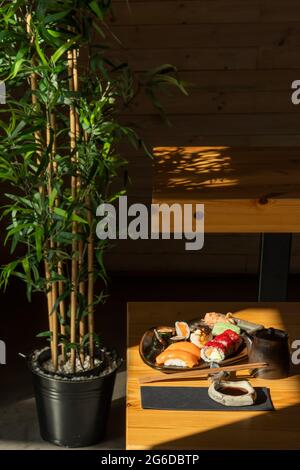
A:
{"x": 232, "y": 335}
{"x": 228, "y": 337}
{"x": 215, "y": 344}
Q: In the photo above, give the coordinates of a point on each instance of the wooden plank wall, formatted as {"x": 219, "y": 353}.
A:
{"x": 240, "y": 58}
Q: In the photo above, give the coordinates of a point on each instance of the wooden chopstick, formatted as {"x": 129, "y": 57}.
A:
{"x": 190, "y": 374}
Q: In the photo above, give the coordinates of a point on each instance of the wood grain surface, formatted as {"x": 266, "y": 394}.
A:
{"x": 156, "y": 429}
{"x": 243, "y": 189}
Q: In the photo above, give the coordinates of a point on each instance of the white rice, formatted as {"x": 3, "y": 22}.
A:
{"x": 175, "y": 362}
{"x": 212, "y": 354}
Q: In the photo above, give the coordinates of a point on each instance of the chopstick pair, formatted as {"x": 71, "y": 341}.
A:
{"x": 194, "y": 374}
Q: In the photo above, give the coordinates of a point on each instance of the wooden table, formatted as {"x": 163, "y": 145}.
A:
{"x": 156, "y": 429}
{"x": 244, "y": 190}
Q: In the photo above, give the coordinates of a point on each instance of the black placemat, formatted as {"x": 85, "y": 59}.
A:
{"x": 197, "y": 399}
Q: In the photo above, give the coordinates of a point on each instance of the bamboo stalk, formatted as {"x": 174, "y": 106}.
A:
{"x": 82, "y": 292}
{"x": 62, "y": 309}
{"x": 74, "y": 264}
{"x": 80, "y": 265}
{"x": 58, "y": 287}
{"x": 90, "y": 255}
{"x": 38, "y": 140}
{"x": 53, "y": 172}
{"x": 51, "y": 124}
{"x": 80, "y": 243}
{"x": 54, "y": 326}
{"x": 90, "y": 293}
{"x": 90, "y": 283}
{"x": 50, "y": 306}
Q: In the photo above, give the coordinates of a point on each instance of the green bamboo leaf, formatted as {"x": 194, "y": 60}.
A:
{"x": 99, "y": 257}
{"x": 52, "y": 197}
{"x": 26, "y": 267}
{"x": 161, "y": 69}
{"x": 96, "y": 9}
{"x": 18, "y": 129}
{"x": 172, "y": 81}
{"x": 53, "y": 33}
{"x": 146, "y": 149}
{"x": 63, "y": 49}
{"x": 40, "y": 52}
{"x": 59, "y": 299}
{"x": 44, "y": 334}
{"x": 7, "y": 271}
{"x": 79, "y": 219}
{"x": 36, "y": 273}
{"x": 43, "y": 164}
{"x": 60, "y": 212}
{"x": 64, "y": 237}
{"x": 16, "y": 68}
{"x": 14, "y": 243}
{"x": 53, "y": 17}
{"x": 39, "y": 233}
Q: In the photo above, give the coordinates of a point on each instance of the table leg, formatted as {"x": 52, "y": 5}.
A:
{"x": 274, "y": 266}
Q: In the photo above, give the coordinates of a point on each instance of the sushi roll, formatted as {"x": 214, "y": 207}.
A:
{"x": 200, "y": 335}
{"x": 185, "y": 346}
{"x": 163, "y": 334}
{"x": 222, "y": 346}
{"x": 213, "y": 351}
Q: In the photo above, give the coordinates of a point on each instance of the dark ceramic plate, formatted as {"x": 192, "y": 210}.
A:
{"x": 149, "y": 350}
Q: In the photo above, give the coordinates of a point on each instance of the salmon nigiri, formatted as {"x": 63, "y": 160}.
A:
{"x": 176, "y": 358}
{"x": 185, "y": 346}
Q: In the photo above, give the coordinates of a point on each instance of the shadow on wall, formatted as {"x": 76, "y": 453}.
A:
{"x": 228, "y": 172}
{"x": 192, "y": 168}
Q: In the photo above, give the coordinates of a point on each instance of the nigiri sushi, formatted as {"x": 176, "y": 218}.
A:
{"x": 185, "y": 346}
{"x": 175, "y": 357}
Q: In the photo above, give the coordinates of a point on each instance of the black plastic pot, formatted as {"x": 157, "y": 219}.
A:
{"x": 73, "y": 413}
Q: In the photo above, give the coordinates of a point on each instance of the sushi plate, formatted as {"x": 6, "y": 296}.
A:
{"x": 149, "y": 350}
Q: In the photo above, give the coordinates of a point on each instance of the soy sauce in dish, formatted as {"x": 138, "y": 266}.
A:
{"x": 233, "y": 391}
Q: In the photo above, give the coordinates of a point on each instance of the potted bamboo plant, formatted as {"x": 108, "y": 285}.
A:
{"x": 59, "y": 136}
